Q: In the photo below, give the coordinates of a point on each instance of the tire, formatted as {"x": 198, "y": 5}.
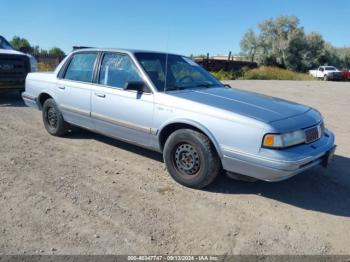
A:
{"x": 325, "y": 78}
{"x": 191, "y": 159}
{"x": 53, "y": 119}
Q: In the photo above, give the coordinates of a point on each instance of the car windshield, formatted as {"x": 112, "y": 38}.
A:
{"x": 330, "y": 68}
{"x": 175, "y": 72}
{"x": 4, "y": 44}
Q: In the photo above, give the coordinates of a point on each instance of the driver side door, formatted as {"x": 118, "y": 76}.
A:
{"x": 123, "y": 114}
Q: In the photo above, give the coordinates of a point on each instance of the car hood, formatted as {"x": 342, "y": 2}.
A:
{"x": 10, "y": 52}
{"x": 261, "y": 107}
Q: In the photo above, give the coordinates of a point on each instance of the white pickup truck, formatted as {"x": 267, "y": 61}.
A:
{"x": 326, "y": 73}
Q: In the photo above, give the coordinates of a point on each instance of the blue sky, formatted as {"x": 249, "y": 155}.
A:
{"x": 181, "y": 26}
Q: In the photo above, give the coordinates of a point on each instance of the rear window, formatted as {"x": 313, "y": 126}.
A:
{"x": 81, "y": 67}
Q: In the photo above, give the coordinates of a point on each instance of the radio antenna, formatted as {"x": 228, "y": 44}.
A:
{"x": 166, "y": 70}
{"x": 166, "y": 53}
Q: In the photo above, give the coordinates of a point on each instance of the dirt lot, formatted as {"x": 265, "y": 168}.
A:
{"x": 88, "y": 194}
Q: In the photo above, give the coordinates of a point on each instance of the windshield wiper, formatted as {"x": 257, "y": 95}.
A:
{"x": 176, "y": 88}
{"x": 207, "y": 85}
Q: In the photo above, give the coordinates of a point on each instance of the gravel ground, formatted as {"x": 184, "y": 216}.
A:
{"x": 88, "y": 194}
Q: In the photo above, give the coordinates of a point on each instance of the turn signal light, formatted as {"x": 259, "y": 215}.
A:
{"x": 269, "y": 141}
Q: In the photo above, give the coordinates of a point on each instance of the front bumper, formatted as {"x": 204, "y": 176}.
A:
{"x": 277, "y": 165}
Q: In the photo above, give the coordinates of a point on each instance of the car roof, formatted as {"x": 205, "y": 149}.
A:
{"x": 121, "y": 50}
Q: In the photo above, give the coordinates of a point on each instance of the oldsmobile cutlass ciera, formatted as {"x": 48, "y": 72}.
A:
{"x": 168, "y": 103}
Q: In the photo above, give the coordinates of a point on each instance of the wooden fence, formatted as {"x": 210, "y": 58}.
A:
{"x": 50, "y": 60}
{"x": 215, "y": 65}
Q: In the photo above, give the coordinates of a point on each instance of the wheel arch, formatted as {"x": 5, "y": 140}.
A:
{"x": 167, "y": 129}
{"x": 42, "y": 97}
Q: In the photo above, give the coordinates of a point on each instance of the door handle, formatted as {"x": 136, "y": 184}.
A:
{"x": 100, "y": 95}
{"x": 62, "y": 87}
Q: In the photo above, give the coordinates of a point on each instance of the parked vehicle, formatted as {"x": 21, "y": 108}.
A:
{"x": 170, "y": 104}
{"x": 346, "y": 74}
{"x": 326, "y": 73}
{"x": 14, "y": 67}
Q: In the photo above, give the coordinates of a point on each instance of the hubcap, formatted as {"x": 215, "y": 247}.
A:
{"x": 52, "y": 118}
{"x": 187, "y": 159}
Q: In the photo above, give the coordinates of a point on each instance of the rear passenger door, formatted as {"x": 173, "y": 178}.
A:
{"x": 74, "y": 88}
{"x": 124, "y": 114}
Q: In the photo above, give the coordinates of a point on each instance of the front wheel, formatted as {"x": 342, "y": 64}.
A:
{"x": 325, "y": 77}
{"x": 53, "y": 119}
{"x": 191, "y": 158}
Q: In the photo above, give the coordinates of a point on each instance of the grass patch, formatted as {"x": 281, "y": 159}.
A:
{"x": 274, "y": 73}
{"x": 224, "y": 75}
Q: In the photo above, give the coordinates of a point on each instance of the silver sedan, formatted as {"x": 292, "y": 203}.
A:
{"x": 168, "y": 103}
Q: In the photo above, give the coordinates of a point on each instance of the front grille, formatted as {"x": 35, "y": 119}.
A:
{"x": 312, "y": 134}
{"x": 13, "y": 68}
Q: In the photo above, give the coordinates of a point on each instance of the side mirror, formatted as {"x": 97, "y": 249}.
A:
{"x": 135, "y": 85}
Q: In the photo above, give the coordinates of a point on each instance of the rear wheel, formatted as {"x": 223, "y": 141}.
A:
{"x": 53, "y": 119}
{"x": 325, "y": 78}
{"x": 191, "y": 159}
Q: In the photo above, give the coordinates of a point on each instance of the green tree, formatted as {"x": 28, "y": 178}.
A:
{"x": 282, "y": 42}
{"x": 36, "y": 49}
{"x": 277, "y": 38}
{"x": 330, "y": 56}
{"x": 249, "y": 44}
{"x": 294, "y": 53}
{"x": 346, "y": 61}
{"x": 55, "y": 51}
{"x": 314, "y": 55}
{"x": 344, "y": 56}
{"x": 21, "y": 44}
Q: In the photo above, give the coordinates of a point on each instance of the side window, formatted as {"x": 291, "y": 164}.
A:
{"x": 117, "y": 70}
{"x": 81, "y": 67}
{"x": 155, "y": 71}
{"x": 321, "y": 69}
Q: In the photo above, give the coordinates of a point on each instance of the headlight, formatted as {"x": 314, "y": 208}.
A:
{"x": 284, "y": 140}
{"x": 33, "y": 64}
